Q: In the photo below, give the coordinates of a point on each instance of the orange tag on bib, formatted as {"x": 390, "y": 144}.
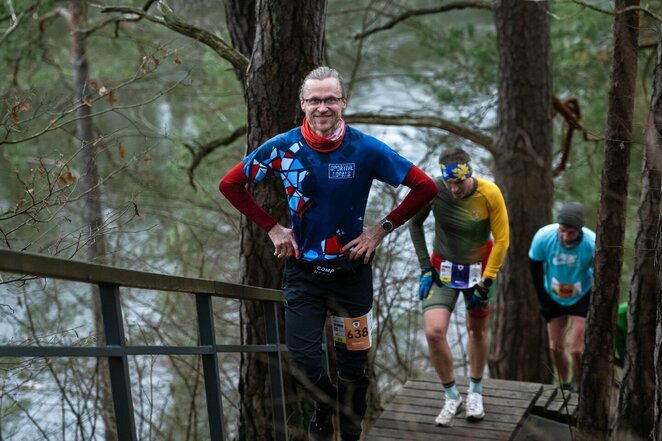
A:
{"x": 565, "y": 290}
{"x": 354, "y": 332}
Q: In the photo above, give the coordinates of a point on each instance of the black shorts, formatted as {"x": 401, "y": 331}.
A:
{"x": 550, "y": 309}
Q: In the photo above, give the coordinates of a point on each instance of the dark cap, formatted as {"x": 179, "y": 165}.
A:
{"x": 572, "y": 215}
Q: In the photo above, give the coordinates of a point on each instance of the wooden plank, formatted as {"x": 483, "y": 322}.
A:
{"x": 563, "y": 407}
{"x": 488, "y": 394}
{"x": 379, "y": 434}
{"x": 521, "y": 386}
{"x": 410, "y": 415}
{"x": 488, "y": 402}
{"x": 557, "y": 405}
{"x": 491, "y": 421}
{"x": 409, "y": 430}
{"x": 571, "y": 415}
{"x": 397, "y": 410}
{"x": 547, "y": 396}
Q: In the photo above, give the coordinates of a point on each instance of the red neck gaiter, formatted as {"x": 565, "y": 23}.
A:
{"x": 319, "y": 143}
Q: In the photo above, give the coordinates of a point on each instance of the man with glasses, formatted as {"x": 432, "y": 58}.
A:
{"x": 327, "y": 169}
{"x": 465, "y": 259}
{"x": 561, "y": 258}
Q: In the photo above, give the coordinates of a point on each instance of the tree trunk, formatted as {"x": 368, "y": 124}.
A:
{"x": 598, "y": 362}
{"x": 654, "y": 150}
{"x": 287, "y": 44}
{"x": 524, "y": 173}
{"x": 634, "y": 420}
{"x": 89, "y": 186}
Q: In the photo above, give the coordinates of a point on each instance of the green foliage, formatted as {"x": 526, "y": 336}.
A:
{"x": 167, "y": 91}
{"x": 582, "y": 62}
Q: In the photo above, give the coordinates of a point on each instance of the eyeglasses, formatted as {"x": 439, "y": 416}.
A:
{"x": 332, "y": 101}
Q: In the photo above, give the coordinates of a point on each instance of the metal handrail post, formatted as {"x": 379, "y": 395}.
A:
{"x": 210, "y": 367}
{"x": 275, "y": 372}
{"x": 111, "y": 312}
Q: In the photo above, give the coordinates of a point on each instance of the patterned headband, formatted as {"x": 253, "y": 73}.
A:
{"x": 456, "y": 172}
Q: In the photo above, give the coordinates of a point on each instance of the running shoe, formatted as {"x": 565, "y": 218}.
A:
{"x": 475, "y": 411}
{"x": 450, "y": 409}
{"x": 320, "y": 427}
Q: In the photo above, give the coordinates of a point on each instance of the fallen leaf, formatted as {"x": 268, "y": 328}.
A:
{"x": 143, "y": 65}
{"x": 112, "y": 98}
{"x": 121, "y": 150}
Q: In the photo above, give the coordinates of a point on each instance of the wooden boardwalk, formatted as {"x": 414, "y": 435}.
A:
{"x": 557, "y": 405}
{"x": 410, "y": 416}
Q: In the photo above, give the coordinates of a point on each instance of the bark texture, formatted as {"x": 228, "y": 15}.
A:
{"x": 523, "y": 157}
{"x": 285, "y": 43}
{"x": 634, "y": 419}
{"x": 654, "y": 151}
{"x": 598, "y": 363}
{"x": 90, "y": 187}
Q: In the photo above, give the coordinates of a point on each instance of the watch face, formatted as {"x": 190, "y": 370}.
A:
{"x": 387, "y": 226}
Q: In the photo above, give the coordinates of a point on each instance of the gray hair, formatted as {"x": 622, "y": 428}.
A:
{"x": 322, "y": 73}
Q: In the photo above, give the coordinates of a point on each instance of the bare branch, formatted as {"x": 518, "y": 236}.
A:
{"x": 57, "y": 123}
{"x": 644, "y": 9}
{"x": 486, "y": 5}
{"x": 592, "y": 7}
{"x": 15, "y": 21}
{"x": 470, "y": 134}
{"x": 570, "y": 110}
{"x": 206, "y": 149}
{"x": 217, "y": 44}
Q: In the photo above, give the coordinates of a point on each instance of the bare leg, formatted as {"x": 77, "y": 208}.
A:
{"x": 556, "y": 328}
{"x": 577, "y": 348}
{"x": 478, "y": 344}
{"x": 436, "y": 323}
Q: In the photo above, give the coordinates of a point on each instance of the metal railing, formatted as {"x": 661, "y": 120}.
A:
{"x": 110, "y": 280}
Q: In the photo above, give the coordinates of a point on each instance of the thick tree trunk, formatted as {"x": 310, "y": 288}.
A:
{"x": 286, "y": 45}
{"x": 598, "y": 373}
{"x": 654, "y": 150}
{"x": 657, "y": 425}
{"x": 634, "y": 420}
{"x": 89, "y": 185}
{"x": 524, "y": 173}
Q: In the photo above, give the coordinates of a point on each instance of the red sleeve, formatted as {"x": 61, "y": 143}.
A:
{"x": 233, "y": 187}
{"x": 423, "y": 189}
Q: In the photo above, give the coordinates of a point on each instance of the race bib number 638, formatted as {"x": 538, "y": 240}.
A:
{"x": 354, "y": 332}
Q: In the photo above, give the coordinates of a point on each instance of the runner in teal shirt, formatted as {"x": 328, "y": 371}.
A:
{"x": 561, "y": 257}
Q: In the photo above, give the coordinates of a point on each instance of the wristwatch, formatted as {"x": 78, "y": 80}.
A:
{"x": 387, "y": 225}
{"x": 487, "y": 282}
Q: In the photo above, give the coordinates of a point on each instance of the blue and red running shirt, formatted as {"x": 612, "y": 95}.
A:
{"x": 327, "y": 191}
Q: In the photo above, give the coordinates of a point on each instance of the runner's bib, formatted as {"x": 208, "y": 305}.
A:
{"x": 354, "y": 332}
{"x": 566, "y": 290}
{"x": 460, "y": 276}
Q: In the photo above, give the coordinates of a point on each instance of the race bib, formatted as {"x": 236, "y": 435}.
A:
{"x": 354, "y": 332}
{"x": 566, "y": 290}
{"x": 460, "y": 276}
